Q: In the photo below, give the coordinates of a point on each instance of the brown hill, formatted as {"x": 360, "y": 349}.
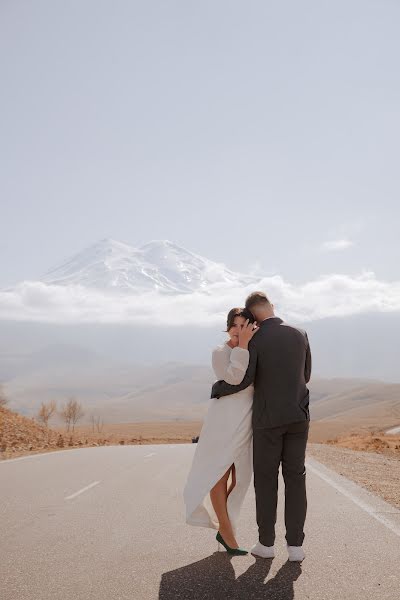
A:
{"x": 372, "y": 407}
{"x": 21, "y": 436}
{"x": 374, "y": 400}
{"x": 18, "y": 433}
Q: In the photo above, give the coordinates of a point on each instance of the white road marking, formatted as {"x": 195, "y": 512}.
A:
{"x": 148, "y": 455}
{"x": 82, "y": 490}
{"x": 5, "y": 461}
{"x": 365, "y": 506}
{"x": 53, "y": 452}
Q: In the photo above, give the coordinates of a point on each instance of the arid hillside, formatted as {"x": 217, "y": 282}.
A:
{"x": 174, "y": 391}
{"x": 20, "y": 435}
{"x": 351, "y": 412}
{"x": 368, "y": 407}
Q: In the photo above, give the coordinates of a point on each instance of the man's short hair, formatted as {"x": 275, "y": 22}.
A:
{"x": 256, "y": 299}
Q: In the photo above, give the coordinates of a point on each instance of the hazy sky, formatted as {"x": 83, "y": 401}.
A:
{"x": 259, "y": 133}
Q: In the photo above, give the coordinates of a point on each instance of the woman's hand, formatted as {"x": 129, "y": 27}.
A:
{"x": 246, "y": 333}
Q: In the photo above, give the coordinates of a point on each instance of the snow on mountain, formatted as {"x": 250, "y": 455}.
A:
{"x": 159, "y": 265}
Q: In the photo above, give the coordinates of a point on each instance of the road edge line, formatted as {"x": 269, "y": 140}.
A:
{"x": 331, "y": 478}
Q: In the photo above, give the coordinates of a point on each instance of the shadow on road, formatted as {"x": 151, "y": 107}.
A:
{"x": 214, "y": 577}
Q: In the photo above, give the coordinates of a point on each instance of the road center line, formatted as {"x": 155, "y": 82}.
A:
{"x": 148, "y": 455}
{"x": 82, "y": 490}
{"x": 365, "y": 506}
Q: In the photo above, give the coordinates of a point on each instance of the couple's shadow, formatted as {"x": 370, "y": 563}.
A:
{"x": 214, "y": 578}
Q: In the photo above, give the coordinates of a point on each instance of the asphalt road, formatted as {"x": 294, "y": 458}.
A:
{"x": 393, "y": 431}
{"x": 107, "y": 523}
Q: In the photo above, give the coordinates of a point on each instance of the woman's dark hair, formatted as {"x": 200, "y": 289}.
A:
{"x": 238, "y": 312}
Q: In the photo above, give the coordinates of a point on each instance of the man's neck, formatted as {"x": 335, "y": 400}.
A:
{"x": 270, "y": 317}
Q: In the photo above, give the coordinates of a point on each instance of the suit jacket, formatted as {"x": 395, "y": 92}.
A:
{"x": 279, "y": 367}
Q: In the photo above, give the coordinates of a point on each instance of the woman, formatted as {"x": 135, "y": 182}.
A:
{"x": 224, "y": 450}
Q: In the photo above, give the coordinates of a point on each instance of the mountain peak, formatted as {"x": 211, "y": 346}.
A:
{"x": 162, "y": 249}
{"x": 158, "y": 265}
{"x": 159, "y": 243}
{"x": 109, "y": 243}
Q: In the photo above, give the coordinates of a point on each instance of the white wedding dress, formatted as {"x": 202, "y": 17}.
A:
{"x": 225, "y": 438}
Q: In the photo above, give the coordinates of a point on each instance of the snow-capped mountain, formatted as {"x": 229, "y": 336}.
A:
{"x": 159, "y": 265}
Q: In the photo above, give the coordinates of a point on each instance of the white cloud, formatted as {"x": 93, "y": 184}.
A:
{"x": 336, "y": 245}
{"x": 332, "y": 295}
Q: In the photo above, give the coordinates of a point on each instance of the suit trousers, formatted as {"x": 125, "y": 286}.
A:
{"x": 271, "y": 447}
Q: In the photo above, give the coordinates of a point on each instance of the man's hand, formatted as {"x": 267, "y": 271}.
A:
{"x": 246, "y": 333}
{"x": 216, "y": 389}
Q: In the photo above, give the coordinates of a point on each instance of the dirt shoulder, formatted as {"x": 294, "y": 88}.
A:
{"x": 378, "y": 473}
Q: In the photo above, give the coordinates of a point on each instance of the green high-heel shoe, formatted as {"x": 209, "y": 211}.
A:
{"x": 234, "y": 551}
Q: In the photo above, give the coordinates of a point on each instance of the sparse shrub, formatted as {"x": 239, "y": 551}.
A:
{"x": 71, "y": 412}
{"x": 380, "y": 443}
{"x": 97, "y": 423}
{"x": 46, "y": 411}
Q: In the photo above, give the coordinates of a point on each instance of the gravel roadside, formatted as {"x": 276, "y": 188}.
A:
{"x": 377, "y": 473}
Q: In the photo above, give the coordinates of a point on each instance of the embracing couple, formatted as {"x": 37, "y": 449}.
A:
{"x": 258, "y": 418}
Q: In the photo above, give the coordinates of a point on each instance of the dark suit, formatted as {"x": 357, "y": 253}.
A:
{"x": 280, "y": 368}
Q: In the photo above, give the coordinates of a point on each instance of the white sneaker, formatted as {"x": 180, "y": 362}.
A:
{"x": 296, "y": 553}
{"x": 263, "y": 551}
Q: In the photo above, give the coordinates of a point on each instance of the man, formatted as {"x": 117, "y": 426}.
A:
{"x": 280, "y": 367}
